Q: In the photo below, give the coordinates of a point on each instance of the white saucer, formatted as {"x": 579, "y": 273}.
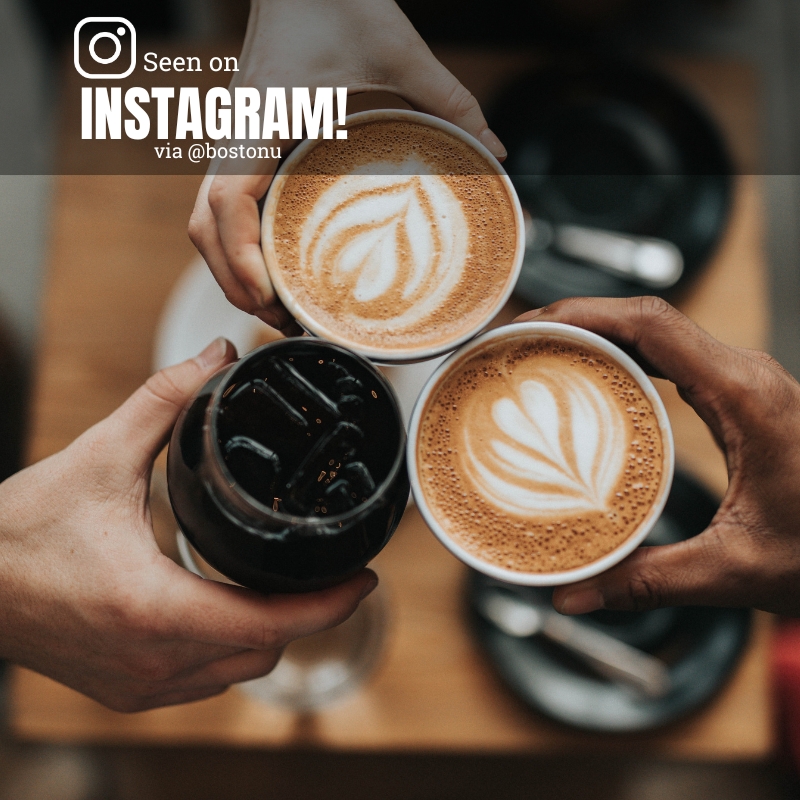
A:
{"x": 197, "y": 312}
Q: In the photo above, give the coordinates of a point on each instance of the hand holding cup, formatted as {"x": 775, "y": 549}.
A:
{"x": 540, "y": 454}
{"x": 88, "y": 599}
{"x": 750, "y": 553}
{"x": 365, "y": 45}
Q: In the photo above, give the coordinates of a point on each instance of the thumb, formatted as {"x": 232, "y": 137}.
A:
{"x": 140, "y": 427}
{"x": 431, "y": 88}
{"x": 686, "y": 573}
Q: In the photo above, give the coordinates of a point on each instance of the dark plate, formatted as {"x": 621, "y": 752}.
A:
{"x": 701, "y": 646}
{"x": 611, "y": 144}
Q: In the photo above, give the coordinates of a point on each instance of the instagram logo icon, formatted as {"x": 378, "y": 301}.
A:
{"x": 111, "y": 44}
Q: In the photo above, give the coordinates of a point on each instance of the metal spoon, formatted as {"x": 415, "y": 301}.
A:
{"x": 654, "y": 263}
{"x": 610, "y": 657}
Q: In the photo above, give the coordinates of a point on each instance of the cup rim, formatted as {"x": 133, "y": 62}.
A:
{"x": 254, "y": 506}
{"x": 307, "y": 322}
{"x": 535, "y": 329}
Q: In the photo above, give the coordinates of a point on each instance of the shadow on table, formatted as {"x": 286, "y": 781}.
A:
{"x": 199, "y": 774}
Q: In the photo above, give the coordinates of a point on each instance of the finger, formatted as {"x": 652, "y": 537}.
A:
{"x": 172, "y": 659}
{"x": 245, "y": 666}
{"x": 277, "y": 316}
{"x": 138, "y": 430}
{"x": 766, "y": 360}
{"x": 292, "y": 329}
{"x": 204, "y": 233}
{"x": 216, "y": 613}
{"x": 233, "y": 200}
{"x": 702, "y": 367}
{"x": 172, "y": 698}
{"x": 205, "y": 236}
{"x": 431, "y": 88}
{"x": 694, "y": 572}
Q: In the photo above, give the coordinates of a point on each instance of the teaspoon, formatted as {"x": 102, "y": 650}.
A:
{"x": 648, "y": 261}
{"x": 610, "y": 657}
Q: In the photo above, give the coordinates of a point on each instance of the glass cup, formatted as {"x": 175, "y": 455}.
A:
{"x": 536, "y": 437}
{"x": 261, "y": 410}
{"x": 287, "y": 471}
{"x": 320, "y": 669}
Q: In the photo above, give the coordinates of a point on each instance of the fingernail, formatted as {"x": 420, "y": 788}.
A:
{"x": 273, "y": 331}
{"x": 368, "y": 587}
{"x": 269, "y": 318}
{"x": 582, "y": 602}
{"x": 214, "y": 354}
{"x": 493, "y": 144}
{"x": 532, "y": 314}
{"x": 257, "y": 296}
{"x": 260, "y": 290}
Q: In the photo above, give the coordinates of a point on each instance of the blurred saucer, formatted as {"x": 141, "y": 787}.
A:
{"x": 196, "y": 313}
{"x": 608, "y": 144}
{"x": 701, "y": 646}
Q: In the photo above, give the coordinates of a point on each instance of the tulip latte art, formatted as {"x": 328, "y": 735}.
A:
{"x": 539, "y": 455}
{"x": 401, "y": 237}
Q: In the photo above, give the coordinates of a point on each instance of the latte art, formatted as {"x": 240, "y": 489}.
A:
{"x": 395, "y": 246}
{"x": 539, "y": 455}
{"x": 400, "y": 242}
{"x": 551, "y": 448}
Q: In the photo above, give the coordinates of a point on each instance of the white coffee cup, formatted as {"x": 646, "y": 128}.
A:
{"x": 532, "y": 331}
{"x": 377, "y": 349}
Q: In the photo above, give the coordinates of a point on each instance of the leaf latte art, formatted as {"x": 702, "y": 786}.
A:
{"x": 400, "y": 240}
{"x": 539, "y": 454}
{"x": 394, "y": 244}
{"x": 550, "y": 446}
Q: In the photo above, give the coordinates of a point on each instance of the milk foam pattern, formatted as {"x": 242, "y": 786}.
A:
{"x": 552, "y": 447}
{"x": 396, "y": 239}
{"x": 539, "y": 456}
{"x": 400, "y": 238}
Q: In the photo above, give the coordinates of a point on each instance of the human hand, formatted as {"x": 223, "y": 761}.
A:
{"x": 750, "y": 553}
{"x": 87, "y": 598}
{"x": 365, "y": 45}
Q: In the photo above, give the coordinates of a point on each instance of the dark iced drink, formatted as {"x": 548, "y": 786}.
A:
{"x": 287, "y": 471}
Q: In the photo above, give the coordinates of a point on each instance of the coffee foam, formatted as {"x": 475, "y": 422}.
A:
{"x": 400, "y": 237}
{"x": 539, "y": 456}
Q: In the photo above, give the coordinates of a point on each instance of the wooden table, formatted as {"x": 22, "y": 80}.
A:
{"x": 119, "y": 244}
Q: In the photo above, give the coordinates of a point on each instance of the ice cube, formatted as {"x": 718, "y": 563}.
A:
{"x": 319, "y": 467}
{"x": 280, "y": 403}
{"x": 254, "y": 466}
{"x": 253, "y": 403}
{"x": 346, "y": 383}
{"x": 304, "y": 387}
{"x": 234, "y": 391}
{"x": 360, "y": 478}
{"x": 351, "y": 406}
{"x": 340, "y": 497}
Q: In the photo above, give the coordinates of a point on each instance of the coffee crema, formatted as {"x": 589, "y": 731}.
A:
{"x": 401, "y": 237}
{"x": 539, "y": 455}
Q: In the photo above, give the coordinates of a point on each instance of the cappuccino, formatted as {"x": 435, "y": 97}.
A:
{"x": 400, "y": 242}
{"x": 540, "y": 454}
